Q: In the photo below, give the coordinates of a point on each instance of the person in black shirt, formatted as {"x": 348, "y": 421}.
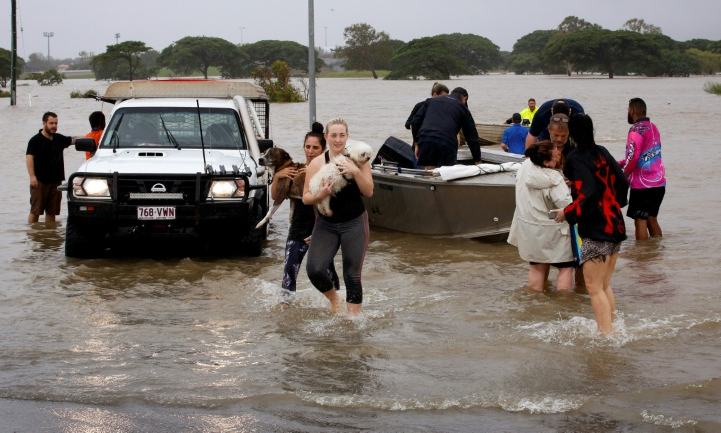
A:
{"x": 46, "y": 167}
{"x": 302, "y": 218}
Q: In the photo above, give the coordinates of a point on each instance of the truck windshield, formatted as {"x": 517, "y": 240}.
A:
{"x": 176, "y": 127}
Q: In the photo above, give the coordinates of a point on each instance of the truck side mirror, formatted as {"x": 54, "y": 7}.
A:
{"x": 85, "y": 144}
{"x": 264, "y": 144}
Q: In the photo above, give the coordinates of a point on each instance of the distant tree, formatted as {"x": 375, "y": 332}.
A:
{"x": 709, "y": 62}
{"x": 120, "y": 60}
{"x": 5, "y": 65}
{"x": 295, "y": 55}
{"x": 275, "y": 80}
{"x": 84, "y": 61}
{"x": 123, "y": 65}
{"x": 527, "y": 54}
{"x": 478, "y": 53}
{"x": 604, "y": 50}
{"x": 36, "y": 62}
{"x": 640, "y": 26}
{"x": 48, "y": 78}
{"x": 701, "y": 44}
{"x": 365, "y": 48}
{"x": 199, "y": 53}
{"x": 572, "y": 24}
{"x": 430, "y": 58}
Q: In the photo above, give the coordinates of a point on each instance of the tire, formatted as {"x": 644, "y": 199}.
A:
{"x": 252, "y": 243}
{"x": 81, "y": 242}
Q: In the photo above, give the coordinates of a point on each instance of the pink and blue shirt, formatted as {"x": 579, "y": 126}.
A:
{"x": 642, "y": 162}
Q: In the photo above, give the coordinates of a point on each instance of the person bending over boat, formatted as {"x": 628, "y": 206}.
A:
{"x": 302, "y": 217}
{"x": 436, "y": 127}
{"x": 438, "y": 89}
{"x": 599, "y": 188}
{"x": 543, "y": 115}
{"x": 542, "y": 241}
{"x": 346, "y": 229}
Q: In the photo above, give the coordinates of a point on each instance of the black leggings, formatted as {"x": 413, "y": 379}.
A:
{"x": 351, "y": 237}
{"x": 294, "y": 253}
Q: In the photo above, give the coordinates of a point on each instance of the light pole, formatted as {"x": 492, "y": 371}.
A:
{"x": 117, "y": 36}
{"x": 241, "y": 34}
{"x": 48, "y": 35}
{"x": 326, "y": 36}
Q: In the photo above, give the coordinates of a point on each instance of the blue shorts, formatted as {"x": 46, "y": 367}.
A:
{"x": 436, "y": 154}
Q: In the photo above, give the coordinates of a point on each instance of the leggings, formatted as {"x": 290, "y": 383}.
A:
{"x": 294, "y": 252}
{"x": 352, "y": 238}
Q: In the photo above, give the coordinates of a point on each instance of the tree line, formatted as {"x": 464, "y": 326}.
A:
{"x": 574, "y": 46}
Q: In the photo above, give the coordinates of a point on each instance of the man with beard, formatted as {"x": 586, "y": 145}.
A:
{"x": 46, "y": 167}
{"x": 644, "y": 169}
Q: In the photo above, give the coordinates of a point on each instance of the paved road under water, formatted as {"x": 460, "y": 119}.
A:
{"x": 448, "y": 339}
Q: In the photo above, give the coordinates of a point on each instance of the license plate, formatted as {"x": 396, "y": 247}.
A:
{"x": 156, "y": 212}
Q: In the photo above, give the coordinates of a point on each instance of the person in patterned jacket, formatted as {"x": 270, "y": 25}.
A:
{"x": 644, "y": 169}
{"x": 598, "y": 189}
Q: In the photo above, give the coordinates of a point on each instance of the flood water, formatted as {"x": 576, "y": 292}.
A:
{"x": 448, "y": 340}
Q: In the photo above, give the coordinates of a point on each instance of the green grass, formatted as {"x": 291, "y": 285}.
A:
{"x": 351, "y": 74}
{"x": 714, "y": 88}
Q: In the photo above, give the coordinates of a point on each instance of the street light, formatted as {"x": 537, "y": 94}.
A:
{"x": 117, "y": 36}
{"x": 48, "y": 35}
{"x": 241, "y": 34}
{"x": 326, "y": 36}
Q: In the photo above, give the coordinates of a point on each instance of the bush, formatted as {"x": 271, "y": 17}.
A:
{"x": 279, "y": 89}
{"x": 47, "y": 78}
{"x": 4, "y": 94}
{"x": 714, "y": 88}
{"x": 88, "y": 94}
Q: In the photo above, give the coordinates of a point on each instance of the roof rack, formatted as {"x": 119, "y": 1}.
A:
{"x": 182, "y": 89}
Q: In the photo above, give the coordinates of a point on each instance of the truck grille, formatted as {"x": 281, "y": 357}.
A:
{"x": 155, "y": 196}
{"x": 178, "y": 189}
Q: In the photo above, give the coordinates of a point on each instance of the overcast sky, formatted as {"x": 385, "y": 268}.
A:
{"x": 91, "y": 25}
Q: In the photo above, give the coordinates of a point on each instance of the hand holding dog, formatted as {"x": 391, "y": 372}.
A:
{"x": 346, "y": 166}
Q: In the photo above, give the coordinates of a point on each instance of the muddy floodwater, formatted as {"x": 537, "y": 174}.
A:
{"x": 448, "y": 341}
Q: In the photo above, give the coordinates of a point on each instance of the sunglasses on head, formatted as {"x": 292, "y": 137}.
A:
{"x": 559, "y": 119}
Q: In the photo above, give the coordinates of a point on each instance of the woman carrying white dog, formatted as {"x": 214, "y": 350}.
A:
{"x": 346, "y": 229}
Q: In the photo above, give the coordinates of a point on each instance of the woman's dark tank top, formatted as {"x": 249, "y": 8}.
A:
{"x": 347, "y": 204}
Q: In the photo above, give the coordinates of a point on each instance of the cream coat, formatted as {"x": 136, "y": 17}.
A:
{"x": 539, "y": 238}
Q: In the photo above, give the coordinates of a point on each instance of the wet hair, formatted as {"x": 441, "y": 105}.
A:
{"x": 336, "y": 121}
{"x": 580, "y": 128}
{"x": 97, "y": 120}
{"x": 49, "y": 114}
{"x": 439, "y": 88}
{"x": 540, "y": 152}
{"x": 316, "y": 131}
{"x": 638, "y": 105}
{"x": 560, "y": 107}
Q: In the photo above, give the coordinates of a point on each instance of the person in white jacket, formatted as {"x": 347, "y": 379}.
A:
{"x": 542, "y": 241}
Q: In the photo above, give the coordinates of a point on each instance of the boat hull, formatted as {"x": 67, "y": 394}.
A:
{"x": 476, "y": 207}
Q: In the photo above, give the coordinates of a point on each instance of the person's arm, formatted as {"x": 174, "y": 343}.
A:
{"x": 418, "y": 121}
{"x": 30, "y": 162}
{"x": 504, "y": 141}
{"x": 471, "y": 134}
{"x": 631, "y": 155}
{"x": 288, "y": 172}
{"x": 325, "y": 188}
{"x": 530, "y": 140}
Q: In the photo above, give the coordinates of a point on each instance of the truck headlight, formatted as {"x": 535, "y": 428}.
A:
{"x": 90, "y": 187}
{"x": 227, "y": 189}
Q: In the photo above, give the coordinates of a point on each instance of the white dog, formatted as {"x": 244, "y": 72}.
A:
{"x": 359, "y": 153}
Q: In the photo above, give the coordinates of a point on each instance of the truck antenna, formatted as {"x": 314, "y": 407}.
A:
{"x": 202, "y": 142}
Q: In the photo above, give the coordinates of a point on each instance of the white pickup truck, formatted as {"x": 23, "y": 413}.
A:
{"x": 178, "y": 160}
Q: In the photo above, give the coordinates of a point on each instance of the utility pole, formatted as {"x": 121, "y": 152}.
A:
{"x": 311, "y": 63}
{"x": 117, "y": 36}
{"x": 14, "y": 53}
{"x": 48, "y": 35}
{"x": 241, "y": 35}
{"x": 326, "y": 36}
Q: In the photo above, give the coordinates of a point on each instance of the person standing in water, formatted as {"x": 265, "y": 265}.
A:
{"x": 347, "y": 229}
{"x": 302, "y": 217}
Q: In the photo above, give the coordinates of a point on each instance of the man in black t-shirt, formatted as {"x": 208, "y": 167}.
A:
{"x": 46, "y": 167}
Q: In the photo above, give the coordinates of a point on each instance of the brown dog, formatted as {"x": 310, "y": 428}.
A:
{"x": 277, "y": 159}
